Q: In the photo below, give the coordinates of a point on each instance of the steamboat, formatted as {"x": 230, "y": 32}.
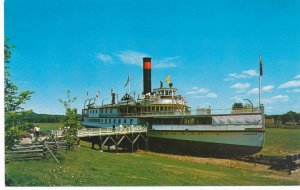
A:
{"x": 173, "y": 127}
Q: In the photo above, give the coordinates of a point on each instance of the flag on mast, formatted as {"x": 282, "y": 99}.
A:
{"x": 260, "y": 66}
{"x": 87, "y": 94}
{"x": 98, "y": 94}
{"x": 128, "y": 80}
{"x": 168, "y": 79}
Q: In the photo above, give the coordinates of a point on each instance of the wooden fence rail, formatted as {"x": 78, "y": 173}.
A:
{"x": 35, "y": 151}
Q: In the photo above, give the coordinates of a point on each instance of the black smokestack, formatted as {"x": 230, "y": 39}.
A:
{"x": 147, "y": 74}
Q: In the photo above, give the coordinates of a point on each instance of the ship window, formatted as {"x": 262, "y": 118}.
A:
{"x": 119, "y": 120}
{"x": 124, "y": 120}
{"x": 109, "y": 121}
{"x": 114, "y": 120}
{"x": 105, "y": 110}
{"x": 101, "y": 110}
{"x": 160, "y": 108}
{"x": 110, "y": 110}
{"x": 105, "y": 120}
{"x": 167, "y": 92}
{"x": 130, "y": 121}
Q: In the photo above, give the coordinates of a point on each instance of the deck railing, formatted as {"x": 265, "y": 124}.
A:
{"x": 104, "y": 131}
{"x": 111, "y": 131}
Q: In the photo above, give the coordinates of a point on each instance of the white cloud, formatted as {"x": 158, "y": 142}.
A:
{"x": 135, "y": 58}
{"x": 264, "y": 89}
{"x": 296, "y": 90}
{"x": 201, "y": 93}
{"x": 131, "y": 57}
{"x": 166, "y": 62}
{"x": 290, "y": 84}
{"x": 268, "y": 88}
{"x": 253, "y": 91}
{"x": 281, "y": 98}
{"x": 209, "y": 95}
{"x": 240, "y": 87}
{"x": 237, "y": 99}
{"x": 297, "y": 77}
{"x": 196, "y": 90}
{"x": 244, "y": 75}
{"x": 104, "y": 58}
{"x": 250, "y": 73}
{"x": 276, "y": 99}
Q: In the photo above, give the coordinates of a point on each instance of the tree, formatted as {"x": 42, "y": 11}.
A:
{"x": 70, "y": 122}
{"x": 15, "y": 117}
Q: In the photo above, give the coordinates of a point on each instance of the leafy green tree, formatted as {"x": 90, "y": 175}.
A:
{"x": 70, "y": 122}
{"x": 15, "y": 117}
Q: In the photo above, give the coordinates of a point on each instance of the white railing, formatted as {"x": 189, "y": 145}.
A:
{"x": 111, "y": 131}
{"x": 104, "y": 131}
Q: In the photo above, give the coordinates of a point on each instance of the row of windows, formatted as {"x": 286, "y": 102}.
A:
{"x": 165, "y": 92}
{"x": 101, "y": 111}
{"x": 112, "y": 121}
{"x": 158, "y": 108}
{"x": 183, "y": 121}
{"x": 144, "y": 109}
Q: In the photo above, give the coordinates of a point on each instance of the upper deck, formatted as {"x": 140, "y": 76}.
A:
{"x": 167, "y": 111}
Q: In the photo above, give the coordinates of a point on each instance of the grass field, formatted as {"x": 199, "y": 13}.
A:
{"x": 281, "y": 141}
{"x": 87, "y": 167}
{"x": 48, "y": 126}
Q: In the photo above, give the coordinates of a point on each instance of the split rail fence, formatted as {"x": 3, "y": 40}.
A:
{"x": 35, "y": 151}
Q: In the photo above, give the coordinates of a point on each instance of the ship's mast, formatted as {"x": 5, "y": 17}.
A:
{"x": 260, "y": 76}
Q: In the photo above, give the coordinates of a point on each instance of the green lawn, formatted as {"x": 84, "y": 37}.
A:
{"x": 48, "y": 126}
{"x": 281, "y": 141}
{"x": 87, "y": 167}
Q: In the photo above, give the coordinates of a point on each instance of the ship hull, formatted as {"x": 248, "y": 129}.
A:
{"x": 209, "y": 143}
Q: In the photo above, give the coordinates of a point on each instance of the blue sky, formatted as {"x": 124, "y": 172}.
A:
{"x": 209, "y": 48}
